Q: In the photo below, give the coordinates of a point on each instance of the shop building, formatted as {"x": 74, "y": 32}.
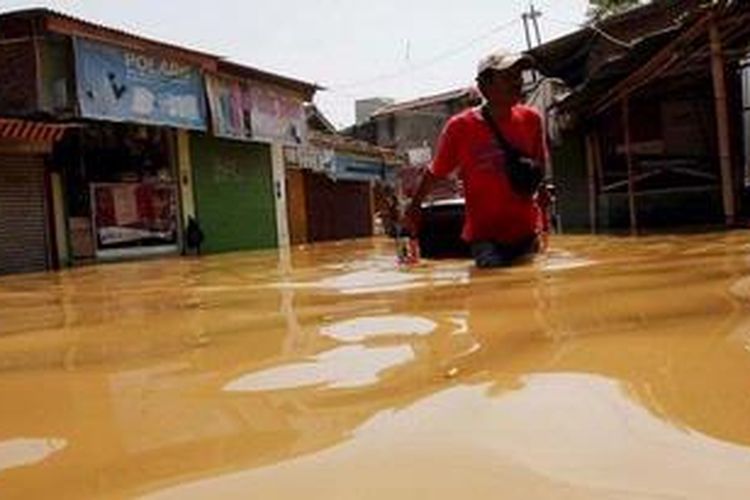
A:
{"x": 31, "y": 236}
{"x": 335, "y": 185}
{"x": 239, "y": 170}
{"x": 652, "y": 132}
{"x": 158, "y": 134}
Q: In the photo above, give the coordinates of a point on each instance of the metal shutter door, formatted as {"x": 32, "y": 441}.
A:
{"x": 23, "y": 240}
{"x": 337, "y": 210}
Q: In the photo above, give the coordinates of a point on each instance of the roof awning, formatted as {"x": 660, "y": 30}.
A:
{"x": 29, "y": 131}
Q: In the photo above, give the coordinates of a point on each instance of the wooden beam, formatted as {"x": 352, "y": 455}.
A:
{"x": 696, "y": 58}
{"x": 722, "y": 122}
{"x": 591, "y": 168}
{"x": 659, "y": 63}
{"x": 636, "y": 178}
{"x": 629, "y": 160}
{"x": 598, "y": 163}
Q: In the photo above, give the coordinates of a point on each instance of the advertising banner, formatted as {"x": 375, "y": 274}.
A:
{"x": 134, "y": 214}
{"x": 276, "y": 116}
{"x": 119, "y": 84}
{"x": 250, "y": 111}
{"x": 230, "y": 109}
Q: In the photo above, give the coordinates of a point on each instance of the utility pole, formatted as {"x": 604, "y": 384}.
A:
{"x": 525, "y": 19}
{"x": 536, "y": 14}
{"x": 532, "y": 15}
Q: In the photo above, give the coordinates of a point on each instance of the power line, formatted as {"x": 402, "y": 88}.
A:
{"x": 597, "y": 29}
{"x": 428, "y": 62}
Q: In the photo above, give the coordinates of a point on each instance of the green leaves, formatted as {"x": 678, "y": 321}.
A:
{"x": 603, "y": 8}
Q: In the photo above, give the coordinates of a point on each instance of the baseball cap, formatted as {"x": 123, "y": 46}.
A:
{"x": 502, "y": 60}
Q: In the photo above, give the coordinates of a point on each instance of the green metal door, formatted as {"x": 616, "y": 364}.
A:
{"x": 234, "y": 193}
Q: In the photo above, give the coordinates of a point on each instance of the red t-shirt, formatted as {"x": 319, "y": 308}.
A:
{"x": 493, "y": 210}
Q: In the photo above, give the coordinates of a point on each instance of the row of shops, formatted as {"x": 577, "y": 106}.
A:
{"x": 116, "y": 141}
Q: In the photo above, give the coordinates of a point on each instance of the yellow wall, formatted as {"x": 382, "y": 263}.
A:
{"x": 58, "y": 207}
{"x": 186, "y": 175}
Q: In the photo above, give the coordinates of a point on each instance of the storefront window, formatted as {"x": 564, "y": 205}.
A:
{"x": 122, "y": 190}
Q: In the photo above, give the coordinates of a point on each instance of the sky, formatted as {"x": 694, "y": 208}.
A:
{"x": 354, "y": 48}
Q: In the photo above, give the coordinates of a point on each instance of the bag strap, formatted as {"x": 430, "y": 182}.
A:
{"x": 507, "y": 147}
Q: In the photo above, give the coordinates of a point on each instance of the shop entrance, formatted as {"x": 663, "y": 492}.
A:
{"x": 23, "y": 237}
{"x": 234, "y": 193}
{"x": 121, "y": 191}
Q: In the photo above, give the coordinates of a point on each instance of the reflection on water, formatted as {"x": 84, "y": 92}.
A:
{"x": 345, "y": 367}
{"x": 560, "y": 436}
{"x": 359, "y": 329}
{"x": 358, "y": 282}
{"x": 607, "y": 368}
{"x": 370, "y": 281}
{"x": 557, "y": 260}
{"x": 24, "y": 451}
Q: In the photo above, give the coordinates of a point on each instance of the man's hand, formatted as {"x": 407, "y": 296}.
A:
{"x": 412, "y": 218}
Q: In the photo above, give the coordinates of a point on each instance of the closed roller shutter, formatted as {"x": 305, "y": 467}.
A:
{"x": 23, "y": 241}
{"x": 337, "y": 210}
{"x": 234, "y": 194}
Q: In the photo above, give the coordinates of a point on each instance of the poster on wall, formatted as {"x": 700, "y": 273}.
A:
{"x": 134, "y": 214}
{"x": 250, "y": 111}
{"x": 230, "y": 111}
{"x": 119, "y": 84}
{"x": 276, "y": 116}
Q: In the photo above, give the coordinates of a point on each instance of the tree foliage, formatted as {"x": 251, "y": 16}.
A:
{"x": 603, "y": 8}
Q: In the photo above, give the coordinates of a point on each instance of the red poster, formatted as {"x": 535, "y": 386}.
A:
{"x": 134, "y": 214}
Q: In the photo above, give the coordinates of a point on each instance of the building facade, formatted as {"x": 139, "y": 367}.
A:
{"x": 651, "y": 130}
{"x": 154, "y": 135}
{"x": 32, "y": 233}
{"x": 412, "y": 129}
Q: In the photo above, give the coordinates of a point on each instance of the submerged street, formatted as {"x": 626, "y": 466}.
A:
{"x": 610, "y": 368}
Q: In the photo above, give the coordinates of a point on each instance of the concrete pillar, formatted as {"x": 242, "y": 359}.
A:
{"x": 185, "y": 172}
{"x": 61, "y": 229}
{"x": 279, "y": 188}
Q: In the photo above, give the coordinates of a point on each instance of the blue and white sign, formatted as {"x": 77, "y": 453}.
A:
{"x": 347, "y": 168}
{"x": 119, "y": 84}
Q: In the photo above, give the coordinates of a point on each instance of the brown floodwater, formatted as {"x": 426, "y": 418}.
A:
{"x": 609, "y": 368}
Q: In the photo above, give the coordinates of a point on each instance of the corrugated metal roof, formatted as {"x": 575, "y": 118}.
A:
{"x": 251, "y": 73}
{"x": 689, "y": 57}
{"x": 65, "y": 24}
{"x": 568, "y": 57}
{"x": 347, "y": 144}
{"x": 452, "y": 95}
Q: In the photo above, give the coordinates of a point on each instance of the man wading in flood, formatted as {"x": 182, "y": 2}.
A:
{"x": 502, "y": 222}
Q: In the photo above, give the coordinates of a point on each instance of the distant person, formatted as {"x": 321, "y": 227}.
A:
{"x": 193, "y": 236}
{"x": 499, "y": 151}
{"x": 386, "y": 208}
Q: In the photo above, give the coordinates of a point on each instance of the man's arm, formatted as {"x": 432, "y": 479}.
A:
{"x": 445, "y": 162}
{"x": 412, "y": 217}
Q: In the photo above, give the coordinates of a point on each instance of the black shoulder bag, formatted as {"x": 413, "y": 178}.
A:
{"x": 524, "y": 174}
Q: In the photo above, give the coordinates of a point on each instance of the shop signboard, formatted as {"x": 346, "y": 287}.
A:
{"x": 356, "y": 169}
{"x": 247, "y": 110}
{"x": 276, "y": 115}
{"x": 317, "y": 160}
{"x": 120, "y": 84}
{"x": 130, "y": 215}
{"x": 230, "y": 108}
{"x": 310, "y": 158}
